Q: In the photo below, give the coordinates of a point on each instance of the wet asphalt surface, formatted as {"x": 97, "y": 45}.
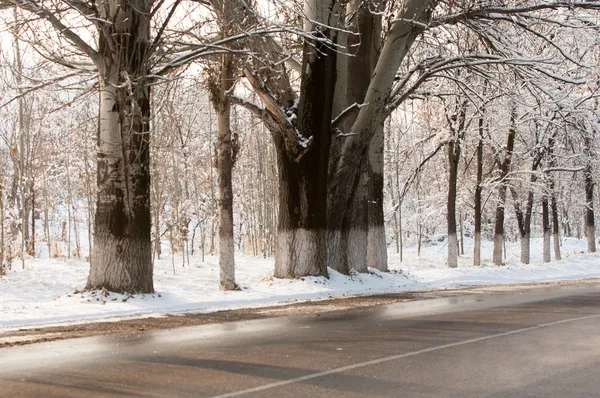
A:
{"x": 533, "y": 343}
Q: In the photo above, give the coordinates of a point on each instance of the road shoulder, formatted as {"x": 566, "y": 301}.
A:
{"x": 31, "y": 335}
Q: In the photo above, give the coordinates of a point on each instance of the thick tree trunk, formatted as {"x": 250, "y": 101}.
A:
{"x": 376, "y": 244}
{"x": 358, "y": 245}
{"x": 347, "y": 169}
{"x": 301, "y": 231}
{"x": 122, "y": 253}
{"x": 366, "y": 236}
{"x": 303, "y": 173}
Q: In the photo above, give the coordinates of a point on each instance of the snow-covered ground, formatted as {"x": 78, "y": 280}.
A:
{"x": 47, "y": 291}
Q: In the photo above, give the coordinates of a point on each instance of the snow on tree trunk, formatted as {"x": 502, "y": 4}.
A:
{"x": 122, "y": 253}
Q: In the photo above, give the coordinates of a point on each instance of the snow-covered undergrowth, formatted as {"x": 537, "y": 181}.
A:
{"x": 47, "y": 291}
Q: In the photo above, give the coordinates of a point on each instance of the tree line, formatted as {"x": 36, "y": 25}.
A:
{"x": 346, "y": 108}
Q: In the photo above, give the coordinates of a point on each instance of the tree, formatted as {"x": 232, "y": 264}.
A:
{"x": 502, "y": 188}
{"x": 456, "y": 123}
{"x": 124, "y": 60}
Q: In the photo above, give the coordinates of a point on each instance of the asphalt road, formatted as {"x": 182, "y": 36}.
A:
{"x": 535, "y": 343}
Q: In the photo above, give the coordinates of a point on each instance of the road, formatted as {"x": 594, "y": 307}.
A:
{"x": 534, "y": 343}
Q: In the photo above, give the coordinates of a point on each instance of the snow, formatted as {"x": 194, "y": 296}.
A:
{"x": 47, "y": 291}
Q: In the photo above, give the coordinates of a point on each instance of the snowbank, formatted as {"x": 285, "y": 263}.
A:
{"x": 48, "y": 291}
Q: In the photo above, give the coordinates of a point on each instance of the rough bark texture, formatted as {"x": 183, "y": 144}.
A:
{"x": 376, "y": 245}
{"x": 121, "y": 257}
{"x": 302, "y": 234}
{"x": 358, "y": 245}
{"x": 225, "y": 169}
{"x": 365, "y": 246}
{"x": 347, "y": 170}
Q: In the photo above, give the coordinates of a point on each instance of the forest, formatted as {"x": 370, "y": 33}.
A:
{"x": 323, "y": 133}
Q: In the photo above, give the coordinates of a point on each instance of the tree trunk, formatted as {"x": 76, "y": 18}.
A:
{"x": 505, "y": 169}
{"x": 524, "y": 220}
{"x": 453, "y": 157}
{"x": 457, "y": 125}
{"x": 347, "y": 169}
{"x": 553, "y": 204}
{"x": 358, "y": 235}
{"x": 366, "y": 245}
{"x": 376, "y": 244}
{"x": 222, "y": 105}
{"x": 590, "y": 228}
{"x": 546, "y": 229}
{"x": 122, "y": 253}
{"x": 301, "y": 230}
{"x": 555, "y": 227}
{"x": 478, "y": 190}
{"x": 302, "y": 225}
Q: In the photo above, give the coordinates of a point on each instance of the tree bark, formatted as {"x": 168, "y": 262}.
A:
{"x": 590, "y": 227}
{"x": 546, "y": 229}
{"x": 303, "y": 164}
{"x": 122, "y": 253}
{"x": 347, "y": 169}
{"x": 358, "y": 235}
{"x": 553, "y": 202}
{"x": 453, "y": 157}
{"x": 225, "y": 168}
{"x": 555, "y": 227}
{"x": 504, "y": 171}
{"x": 222, "y": 105}
{"x": 457, "y": 126}
{"x": 366, "y": 246}
{"x": 231, "y": 19}
{"x": 376, "y": 242}
{"x": 478, "y": 191}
